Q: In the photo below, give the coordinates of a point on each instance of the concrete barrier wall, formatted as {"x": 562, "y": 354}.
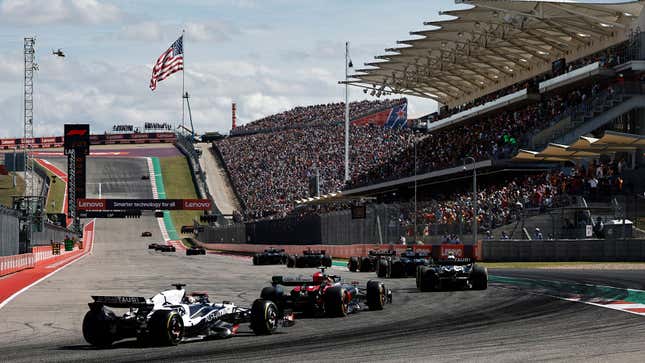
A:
{"x": 50, "y": 232}
{"x": 564, "y": 250}
{"x": 9, "y": 232}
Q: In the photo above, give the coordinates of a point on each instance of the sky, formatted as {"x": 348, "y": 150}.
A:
{"x": 265, "y": 55}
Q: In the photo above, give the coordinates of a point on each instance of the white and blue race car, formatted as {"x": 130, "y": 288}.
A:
{"x": 172, "y": 316}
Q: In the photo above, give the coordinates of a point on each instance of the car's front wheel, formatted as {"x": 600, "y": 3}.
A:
{"x": 264, "y": 317}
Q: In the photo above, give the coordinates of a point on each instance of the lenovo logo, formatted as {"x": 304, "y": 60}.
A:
{"x": 197, "y": 204}
{"x": 91, "y": 204}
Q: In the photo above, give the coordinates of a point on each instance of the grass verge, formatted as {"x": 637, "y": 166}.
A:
{"x": 56, "y": 195}
{"x": 7, "y": 189}
{"x": 179, "y": 185}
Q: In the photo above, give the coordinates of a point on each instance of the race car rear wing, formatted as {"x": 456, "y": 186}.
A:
{"x": 456, "y": 261}
{"x": 121, "y": 301}
{"x": 291, "y": 281}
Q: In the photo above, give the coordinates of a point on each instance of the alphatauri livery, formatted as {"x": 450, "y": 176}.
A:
{"x": 172, "y": 316}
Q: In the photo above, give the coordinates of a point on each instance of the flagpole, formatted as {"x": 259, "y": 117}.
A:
{"x": 346, "y": 115}
{"x": 183, "y": 71}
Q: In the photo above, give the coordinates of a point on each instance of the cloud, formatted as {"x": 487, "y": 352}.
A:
{"x": 147, "y": 31}
{"x": 43, "y": 12}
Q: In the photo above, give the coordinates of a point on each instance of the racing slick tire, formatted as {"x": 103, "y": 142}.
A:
{"x": 396, "y": 268}
{"x": 376, "y": 295}
{"x": 418, "y": 276}
{"x": 427, "y": 279}
{"x": 479, "y": 277}
{"x": 326, "y": 261}
{"x": 256, "y": 260}
{"x": 381, "y": 268}
{"x": 291, "y": 261}
{"x": 165, "y": 328}
{"x": 365, "y": 265}
{"x": 99, "y": 327}
{"x": 274, "y": 294}
{"x": 265, "y": 317}
{"x": 352, "y": 265}
{"x": 300, "y": 261}
{"x": 336, "y": 301}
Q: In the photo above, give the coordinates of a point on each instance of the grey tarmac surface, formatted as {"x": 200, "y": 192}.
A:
{"x": 496, "y": 325}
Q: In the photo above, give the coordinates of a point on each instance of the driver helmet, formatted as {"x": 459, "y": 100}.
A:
{"x": 191, "y": 299}
{"x": 319, "y": 278}
{"x": 451, "y": 257}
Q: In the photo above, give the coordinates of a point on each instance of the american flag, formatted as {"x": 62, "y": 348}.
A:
{"x": 169, "y": 62}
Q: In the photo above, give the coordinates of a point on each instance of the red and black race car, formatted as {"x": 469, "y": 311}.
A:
{"x": 326, "y": 295}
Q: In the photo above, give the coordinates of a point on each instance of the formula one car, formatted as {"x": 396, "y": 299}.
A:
{"x": 452, "y": 273}
{"x": 368, "y": 263}
{"x": 325, "y": 295}
{"x": 161, "y": 247}
{"x": 145, "y": 177}
{"x": 171, "y": 317}
{"x": 195, "y": 251}
{"x": 270, "y": 256}
{"x": 309, "y": 258}
{"x": 146, "y": 234}
{"x": 403, "y": 266}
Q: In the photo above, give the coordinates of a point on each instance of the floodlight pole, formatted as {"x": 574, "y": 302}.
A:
{"x": 346, "y": 113}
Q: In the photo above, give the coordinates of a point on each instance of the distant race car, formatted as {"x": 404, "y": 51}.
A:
{"x": 403, "y": 266}
{"x": 195, "y": 251}
{"x": 325, "y": 295}
{"x": 172, "y": 316}
{"x": 145, "y": 177}
{"x": 309, "y": 258}
{"x": 452, "y": 273}
{"x": 162, "y": 247}
{"x": 368, "y": 263}
{"x": 146, "y": 234}
{"x": 270, "y": 256}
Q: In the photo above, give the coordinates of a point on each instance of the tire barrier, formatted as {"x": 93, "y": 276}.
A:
{"x": 11, "y": 264}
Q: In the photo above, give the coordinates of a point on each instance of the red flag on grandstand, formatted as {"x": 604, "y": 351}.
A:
{"x": 169, "y": 62}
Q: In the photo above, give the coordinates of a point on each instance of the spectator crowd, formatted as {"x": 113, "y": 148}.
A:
{"x": 271, "y": 161}
{"x": 316, "y": 115}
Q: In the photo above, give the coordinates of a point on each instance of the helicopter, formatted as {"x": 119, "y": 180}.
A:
{"x": 58, "y": 52}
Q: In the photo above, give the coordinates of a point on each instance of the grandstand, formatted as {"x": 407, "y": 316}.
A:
{"x": 511, "y": 78}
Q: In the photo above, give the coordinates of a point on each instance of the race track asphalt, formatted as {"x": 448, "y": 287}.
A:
{"x": 496, "y": 325}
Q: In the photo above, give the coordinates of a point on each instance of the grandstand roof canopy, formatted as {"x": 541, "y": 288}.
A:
{"x": 585, "y": 146}
{"x": 494, "y": 44}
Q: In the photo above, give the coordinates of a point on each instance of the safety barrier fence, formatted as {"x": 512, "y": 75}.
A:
{"x": 45, "y": 254}
{"x": 15, "y": 263}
